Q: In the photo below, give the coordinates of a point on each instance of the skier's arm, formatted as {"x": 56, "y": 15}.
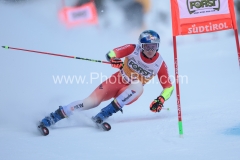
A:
{"x": 114, "y": 55}
{"x": 164, "y": 80}
{"x": 120, "y": 52}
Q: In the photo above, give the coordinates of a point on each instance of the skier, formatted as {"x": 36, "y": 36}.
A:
{"x": 142, "y": 62}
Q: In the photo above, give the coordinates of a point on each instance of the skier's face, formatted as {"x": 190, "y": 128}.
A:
{"x": 150, "y": 49}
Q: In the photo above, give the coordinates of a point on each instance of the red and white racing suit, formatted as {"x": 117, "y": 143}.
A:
{"x": 126, "y": 85}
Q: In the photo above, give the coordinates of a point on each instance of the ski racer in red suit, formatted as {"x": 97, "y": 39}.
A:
{"x": 142, "y": 62}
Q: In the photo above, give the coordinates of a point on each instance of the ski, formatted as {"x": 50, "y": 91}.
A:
{"x": 104, "y": 125}
{"x": 44, "y": 130}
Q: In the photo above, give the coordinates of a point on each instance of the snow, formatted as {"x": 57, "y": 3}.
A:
{"x": 209, "y": 94}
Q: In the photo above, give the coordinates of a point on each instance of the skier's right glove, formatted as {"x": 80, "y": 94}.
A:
{"x": 116, "y": 62}
{"x": 157, "y": 104}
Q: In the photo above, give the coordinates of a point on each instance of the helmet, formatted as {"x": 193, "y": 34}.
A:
{"x": 148, "y": 37}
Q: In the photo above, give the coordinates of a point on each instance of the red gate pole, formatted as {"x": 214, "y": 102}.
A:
{"x": 180, "y": 127}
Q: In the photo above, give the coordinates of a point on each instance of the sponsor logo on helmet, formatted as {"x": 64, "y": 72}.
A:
{"x": 151, "y": 37}
{"x": 203, "y": 6}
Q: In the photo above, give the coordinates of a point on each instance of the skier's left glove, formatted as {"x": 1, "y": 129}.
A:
{"x": 116, "y": 62}
{"x": 157, "y": 104}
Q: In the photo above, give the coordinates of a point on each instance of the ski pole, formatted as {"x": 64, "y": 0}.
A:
{"x": 166, "y": 109}
{"x": 53, "y": 54}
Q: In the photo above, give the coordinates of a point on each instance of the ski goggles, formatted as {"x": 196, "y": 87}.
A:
{"x": 150, "y": 47}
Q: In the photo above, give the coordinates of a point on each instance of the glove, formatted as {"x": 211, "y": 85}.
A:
{"x": 157, "y": 104}
{"x": 116, "y": 62}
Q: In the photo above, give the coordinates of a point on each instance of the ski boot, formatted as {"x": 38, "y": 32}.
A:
{"x": 51, "y": 120}
{"x": 105, "y": 113}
